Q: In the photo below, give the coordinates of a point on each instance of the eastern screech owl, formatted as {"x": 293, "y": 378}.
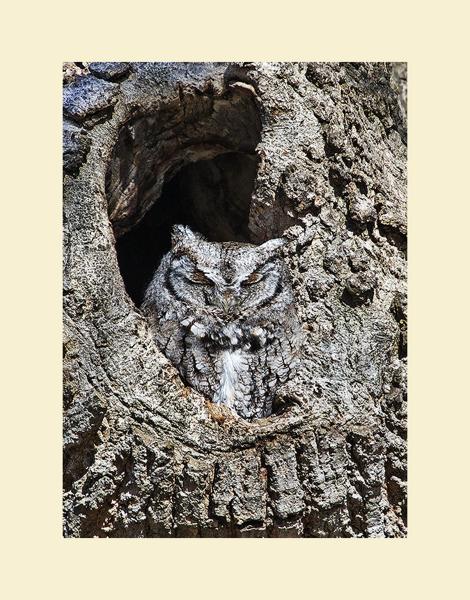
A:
{"x": 224, "y": 315}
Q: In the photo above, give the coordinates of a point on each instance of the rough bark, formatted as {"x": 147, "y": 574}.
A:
{"x": 319, "y": 152}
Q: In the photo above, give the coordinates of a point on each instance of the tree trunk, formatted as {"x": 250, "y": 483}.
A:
{"x": 248, "y": 151}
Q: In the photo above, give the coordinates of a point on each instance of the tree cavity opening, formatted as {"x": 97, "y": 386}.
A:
{"x": 211, "y": 196}
{"x": 193, "y": 162}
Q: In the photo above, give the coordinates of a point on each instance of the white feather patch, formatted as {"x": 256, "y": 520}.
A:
{"x": 230, "y": 363}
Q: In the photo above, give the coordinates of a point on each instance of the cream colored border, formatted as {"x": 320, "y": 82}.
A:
{"x": 39, "y": 563}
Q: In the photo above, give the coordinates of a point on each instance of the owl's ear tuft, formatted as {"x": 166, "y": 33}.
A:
{"x": 273, "y": 247}
{"x": 181, "y": 234}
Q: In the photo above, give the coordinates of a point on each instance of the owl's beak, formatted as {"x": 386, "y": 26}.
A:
{"x": 228, "y": 301}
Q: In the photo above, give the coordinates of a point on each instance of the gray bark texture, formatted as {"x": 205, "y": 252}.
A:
{"x": 318, "y": 153}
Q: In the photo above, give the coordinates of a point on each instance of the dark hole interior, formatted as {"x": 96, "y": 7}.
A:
{"x": 211, "y": 196}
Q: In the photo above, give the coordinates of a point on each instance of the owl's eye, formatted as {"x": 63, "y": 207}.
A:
{"x": 199, "y": 278}
{"x": 252, "y": 279}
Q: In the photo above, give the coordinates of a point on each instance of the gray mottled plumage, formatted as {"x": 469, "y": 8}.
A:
{"x": 224, "y": 314}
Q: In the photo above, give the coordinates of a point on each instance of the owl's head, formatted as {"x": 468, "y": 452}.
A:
{"x": 230, "y": 278}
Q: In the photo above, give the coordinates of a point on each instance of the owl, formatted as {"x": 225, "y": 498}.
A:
{"x": 224, "y": 314}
